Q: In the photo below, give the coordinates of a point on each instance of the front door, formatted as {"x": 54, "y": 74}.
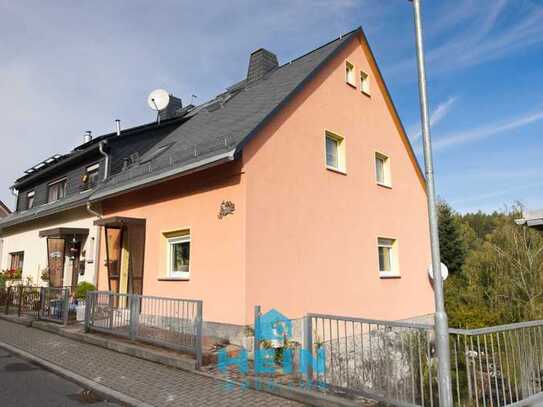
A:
{"x": 55, "y": 257}
{"x": 125, "y": 246}
{"x": 114, "y": 244}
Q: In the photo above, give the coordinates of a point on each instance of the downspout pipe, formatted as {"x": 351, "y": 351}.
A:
{"x": 106, "y": 156}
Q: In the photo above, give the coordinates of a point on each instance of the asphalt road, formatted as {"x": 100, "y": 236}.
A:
{"x": 23, "y": 384}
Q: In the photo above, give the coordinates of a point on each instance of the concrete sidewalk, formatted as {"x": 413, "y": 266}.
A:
{"x": 146, "y": 382}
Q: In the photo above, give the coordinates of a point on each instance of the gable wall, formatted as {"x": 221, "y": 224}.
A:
{"x": 312, "y": 233}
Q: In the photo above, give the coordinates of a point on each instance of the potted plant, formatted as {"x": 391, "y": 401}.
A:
{"x": 44, "y": 276}
{"x": 80, "y": 295}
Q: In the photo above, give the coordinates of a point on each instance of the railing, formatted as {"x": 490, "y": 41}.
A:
{"x": 387, "y": 361}
{"x": 498, "y": 366}
{"x": 20, "y": 299}
{"x": 59, "y": 305}
{"x": 395, "y": 362}
{"x": 170, "y": 322}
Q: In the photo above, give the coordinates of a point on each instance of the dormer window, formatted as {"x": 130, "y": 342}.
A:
{"x": 90, "y": 178}
{"x": 56, "y": 190}
{"x": 30, "y": 200}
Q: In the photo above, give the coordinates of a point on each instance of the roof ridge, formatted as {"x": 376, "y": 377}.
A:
{"x": 359, "y": 28}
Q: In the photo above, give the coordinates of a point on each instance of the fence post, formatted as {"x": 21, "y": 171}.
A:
{"x": 111, "y": 306}
{"x": 20, "y": 300}
{"x": 256, "y": 345}
{"x": 134, "y": 308}
{"x": 88, "y": 304}
{"x": 8, "y": 300}
{"x": 42, "y": 302}
{"x": 199, "y": 339}
{"x": 307, "y": 351}
{"x": 66, "y": 306}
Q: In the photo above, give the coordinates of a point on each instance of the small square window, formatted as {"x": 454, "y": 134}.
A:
{"x": 16, "y": 260}
{"x": 364, "y": 83}
{"x": 388, "y": 257}
{"x": 179, "y": 256}
{"x": 382, "y": 170}
{"x": 349, "y": 74}
{"x": 56, "y": 190}
{"x": 335, "y": 152}
{"x": 30, "y": 200}
{"x": 90, "y": 178}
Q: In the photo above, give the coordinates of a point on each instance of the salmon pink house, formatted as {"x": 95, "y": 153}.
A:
{"x": 295, "y": 189}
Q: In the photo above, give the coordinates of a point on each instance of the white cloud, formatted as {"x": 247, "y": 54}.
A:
{"x": 490, "y": 31}
{"x": 487, "y": 131}
{"x": 436, "y": 116}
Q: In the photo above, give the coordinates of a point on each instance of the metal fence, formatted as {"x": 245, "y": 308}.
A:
{"x": 23, "y": 300}
{"x": 60, "y": 305}
{"x": 498, "y": 366}
{"x": 387, "y": 361}
{"x": 395, "y": 362}
{"x": 170, "y": 322}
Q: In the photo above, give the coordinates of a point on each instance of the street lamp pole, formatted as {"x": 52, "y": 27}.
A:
{"x": 441, "y": 322}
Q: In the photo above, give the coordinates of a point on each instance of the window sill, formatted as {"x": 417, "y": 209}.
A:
{"x": 352, "y": 85}
{"x": 387, "y": 186}
{"x": 337, "y": 170}
{"x": 173, "y": 278}
{"x": 389, "y": 275}
{"x": 365, "y": 93}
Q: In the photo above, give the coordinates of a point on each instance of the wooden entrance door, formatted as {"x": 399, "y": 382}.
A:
{"x": 114, "y": 244}
{"x": 55, "y": 257}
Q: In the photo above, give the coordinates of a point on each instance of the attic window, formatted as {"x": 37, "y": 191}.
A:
{"x": 349, "y": 74}
{"x": 56, "y": 190}
{"x": 364, "y": 83}
{"x": 30, "y": 200}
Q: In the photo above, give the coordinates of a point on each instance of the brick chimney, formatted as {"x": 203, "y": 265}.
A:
{"x": 261, "y": 62}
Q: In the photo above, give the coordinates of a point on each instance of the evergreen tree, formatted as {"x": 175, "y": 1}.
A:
{"x": 452, "y": 247}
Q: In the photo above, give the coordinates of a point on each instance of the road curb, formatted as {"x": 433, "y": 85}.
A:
{"x": 101, "y": 390}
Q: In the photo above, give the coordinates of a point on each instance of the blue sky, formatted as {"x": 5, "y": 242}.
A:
{"x": 71, "y": 66}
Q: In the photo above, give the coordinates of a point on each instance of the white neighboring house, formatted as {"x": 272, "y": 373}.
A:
{"x": 28, "y": 246}
{"x": 4, "y": 211}
{"x": 533, "y": 218}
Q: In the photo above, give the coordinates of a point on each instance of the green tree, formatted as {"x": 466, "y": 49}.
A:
{"x": 502, "y": 278}
{"x": 452, "y": 246}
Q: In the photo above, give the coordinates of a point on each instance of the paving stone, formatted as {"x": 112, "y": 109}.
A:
{"x": 146, "y": 381}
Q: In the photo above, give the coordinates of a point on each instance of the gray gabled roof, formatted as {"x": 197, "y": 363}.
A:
{"x": 218, "y": 130}
{"x": 70, "y": 202}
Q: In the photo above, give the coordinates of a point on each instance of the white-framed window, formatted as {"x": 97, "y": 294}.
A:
{"x": 382, "y": 170}
{"x": 349, "y": 74}
{"x": 335, "y": 151}
{"x": 30, "y": 200}
{"x": 90, "y": 178}
{"x": 178, "y": 248}
{"x": 56, "y": 190}
{"x": 364, "y": 83}
{"x": 387, "y": 251}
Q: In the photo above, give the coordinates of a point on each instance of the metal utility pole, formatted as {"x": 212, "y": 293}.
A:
{"x": 441, "y": 322}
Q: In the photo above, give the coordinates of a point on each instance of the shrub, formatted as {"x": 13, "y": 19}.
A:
{"x": 82, "y": 289}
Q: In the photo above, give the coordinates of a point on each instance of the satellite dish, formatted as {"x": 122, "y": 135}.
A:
{"x": 444, "y": 272}
{"x": 158, "y": 99}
